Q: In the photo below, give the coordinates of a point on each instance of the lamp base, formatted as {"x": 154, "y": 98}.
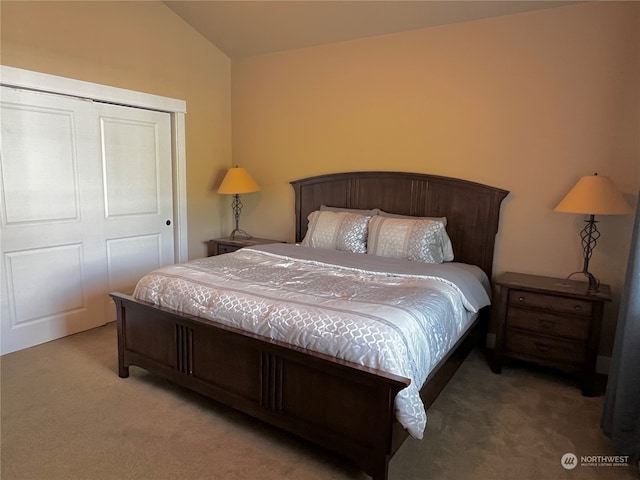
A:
{"x": 240, "y": 234}
{"x": 237, "y": 232}
{"x": 589, "y": 236}
{"x": 594, "y": 283}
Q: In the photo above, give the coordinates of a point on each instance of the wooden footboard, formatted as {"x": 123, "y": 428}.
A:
{"x": 344, "y": 407}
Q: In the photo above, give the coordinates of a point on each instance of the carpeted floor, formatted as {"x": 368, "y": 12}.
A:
{"x": 67, "y": 415}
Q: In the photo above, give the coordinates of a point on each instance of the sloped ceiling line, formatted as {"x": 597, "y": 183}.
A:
{"x": 246, "y": 28}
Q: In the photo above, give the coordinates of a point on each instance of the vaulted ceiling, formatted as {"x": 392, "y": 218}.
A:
{"x": 245, "y": 28}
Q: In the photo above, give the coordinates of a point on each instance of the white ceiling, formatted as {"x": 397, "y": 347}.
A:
{"x": 243, "y": 28}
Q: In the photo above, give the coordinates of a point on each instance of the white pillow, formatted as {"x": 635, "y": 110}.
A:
{"x": 337, "y": 231}
{"x": 419, "y": 239}
{"x": 447, "y": 247}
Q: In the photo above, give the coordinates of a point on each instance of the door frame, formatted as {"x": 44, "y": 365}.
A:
{"x": 177, "y": 109}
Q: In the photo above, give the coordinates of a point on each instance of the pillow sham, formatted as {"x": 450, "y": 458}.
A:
{"x": 447, "y": 247}
{"x": 397, "y": 215}
{"x": 417, "y": 239}
{"x": 337, "y": 231}
{"x": 368, "y": 213}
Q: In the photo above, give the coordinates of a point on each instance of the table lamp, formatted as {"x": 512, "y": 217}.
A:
{"x": 236, "y": 182}
{"x": 592, "y": 195}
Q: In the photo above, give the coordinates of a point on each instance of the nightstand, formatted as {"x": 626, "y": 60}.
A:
{"x": 549, "y": 321}
{"x": 227, "y": 245}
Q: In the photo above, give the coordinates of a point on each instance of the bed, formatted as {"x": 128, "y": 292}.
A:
{"x": 341, "y": 405}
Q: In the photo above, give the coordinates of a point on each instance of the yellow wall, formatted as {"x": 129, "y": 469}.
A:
{"x": 140, "y": 46}
{"x": 527, "y": 102}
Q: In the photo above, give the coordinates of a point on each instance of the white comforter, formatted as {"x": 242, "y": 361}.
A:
{"x": 397, "y": 316}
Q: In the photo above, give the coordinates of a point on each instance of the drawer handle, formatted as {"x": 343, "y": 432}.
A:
{"x": 521, "y": 299}
{"x": 543, "y": 347}
{"x": 546, "y": 323}
{"x": 577, "y": 307}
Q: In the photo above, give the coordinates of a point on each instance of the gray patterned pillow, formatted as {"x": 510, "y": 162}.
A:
{"x": 418, "y": 240}
{"x": 337, "y": 231}
{"x": 447, "y": 247}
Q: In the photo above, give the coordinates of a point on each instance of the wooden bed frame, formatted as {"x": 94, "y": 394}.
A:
{"x": 344, "y": 407}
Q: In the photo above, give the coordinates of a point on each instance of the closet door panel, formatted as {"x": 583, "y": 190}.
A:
{"x": 86, "y": 194}
{"x": 136, "y": 163}
{"x": 52, "y": 262}
{"x": 131, "y": 167}
{"x": 39, "y": 178}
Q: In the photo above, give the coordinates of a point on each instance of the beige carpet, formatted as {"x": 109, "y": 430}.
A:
{"x": 67, "y": 415}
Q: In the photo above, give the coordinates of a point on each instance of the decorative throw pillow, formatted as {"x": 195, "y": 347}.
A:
{"x": 337, "y": 231}
{"x": 417, "y": 240}
{"x": 447, "y": 247}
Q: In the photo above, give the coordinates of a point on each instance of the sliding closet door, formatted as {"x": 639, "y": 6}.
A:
{"x": 75, "y": 224}
{"x": 135, "y": 154}
{"x": 52, "y": 254}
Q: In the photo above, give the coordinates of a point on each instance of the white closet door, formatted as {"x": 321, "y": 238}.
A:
{"x": 135, "y": 150}
{"x": 74, "y": 223}
{"x": 52, "y": 258}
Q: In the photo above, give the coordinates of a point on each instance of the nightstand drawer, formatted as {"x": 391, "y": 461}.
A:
{"x": 550, "y": 302}
{"x": 226, "y": 248}
{"x": 549, "y": 323}
{"x": 545, "y": 348}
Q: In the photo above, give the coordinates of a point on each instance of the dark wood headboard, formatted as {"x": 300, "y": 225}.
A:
{"x": 472, "y": 209}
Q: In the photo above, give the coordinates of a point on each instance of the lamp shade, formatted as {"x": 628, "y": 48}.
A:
{"x": 594, "y": 195}
{"x": 237, "y": 181}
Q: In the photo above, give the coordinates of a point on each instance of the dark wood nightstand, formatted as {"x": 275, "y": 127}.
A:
{"x": 550, "y": 321}
{"x": 227, "y": 245}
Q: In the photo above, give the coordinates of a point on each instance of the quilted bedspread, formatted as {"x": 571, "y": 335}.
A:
{"x": 383, "y": 313}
